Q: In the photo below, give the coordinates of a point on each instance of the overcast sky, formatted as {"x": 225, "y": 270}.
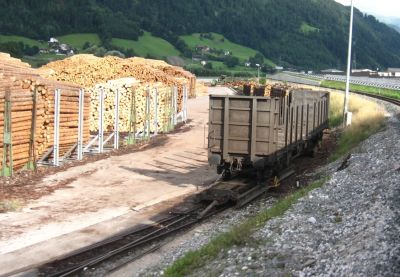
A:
{"x": 376, "y": 7}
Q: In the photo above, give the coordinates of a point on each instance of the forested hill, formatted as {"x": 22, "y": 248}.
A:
{"x": 305, "y": 33}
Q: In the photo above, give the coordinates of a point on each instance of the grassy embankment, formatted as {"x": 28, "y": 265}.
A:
{"x": 238, "y": 235}
{"x": 395, "y": 94}
{"x": 368, "y": 118}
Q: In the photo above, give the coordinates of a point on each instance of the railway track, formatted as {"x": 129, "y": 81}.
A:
{"x": 140, "y": 241}
{"x": 380, "y": 97}
{"x": 143, "y": 240}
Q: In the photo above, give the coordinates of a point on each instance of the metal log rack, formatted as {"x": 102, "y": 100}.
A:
{"x": 97, "y": 144}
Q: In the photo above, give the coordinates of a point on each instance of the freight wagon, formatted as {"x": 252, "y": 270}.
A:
{"x": 264, "y": 133}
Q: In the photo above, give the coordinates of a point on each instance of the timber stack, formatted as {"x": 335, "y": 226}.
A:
{"x": 137, "y": 106}
{"x": 32, "y": 118}
{"x": 109, "y": 73}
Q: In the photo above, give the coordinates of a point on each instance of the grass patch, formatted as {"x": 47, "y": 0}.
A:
{"x": 219, "y": 42}
{"x": 368, "y": 118}
{"x": 78, "y": 40}
{"x": 42, "y": 59}
{"x": 27, "y": 41}
{"x": 148, "y": 45}
{"x": 395, "y": 94}
{"x": 306, "y": 28}
{"x": 237, "y": 235}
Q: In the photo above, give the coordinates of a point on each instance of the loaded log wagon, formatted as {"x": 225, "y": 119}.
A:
{"x": 264, "y": 133}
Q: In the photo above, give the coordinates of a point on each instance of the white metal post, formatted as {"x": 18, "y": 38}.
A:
{"x": 56, "y": 149}
{"x": 175, "y": 105}
{"x": 185, "y": 101}
{"x": 80, "y": 123}
{"x": 147, "y": 132}
{"x": 156, "y": 111}
{"x": 172, "y": 108}
{"x": 101, "y": 121}
{"x": 116, "y": 126}
{"x": 346, "y": 117}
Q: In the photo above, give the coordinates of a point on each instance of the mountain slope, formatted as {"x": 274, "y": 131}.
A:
{"x": 304, "y": 33}
{"x": 397, "y": 28}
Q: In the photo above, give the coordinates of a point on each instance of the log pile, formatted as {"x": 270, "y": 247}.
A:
{"x": 132, "y": 108}
{"x": 19, "y": 82}
{"x": 90, "y": 71}
{"x": 174, "y": 71}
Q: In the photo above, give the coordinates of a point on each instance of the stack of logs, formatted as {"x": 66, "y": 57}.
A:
{"x": 19, "y": 83}
{"x": 93, "y": 72}
{"x": 257, "y": 90}
{"x": 132, "y": 105}
{"x": 88, "y": 71}
{"x": 174, "y": 71}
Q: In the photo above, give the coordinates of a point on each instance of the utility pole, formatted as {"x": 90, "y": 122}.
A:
{"x": 346, "y": 114}
{"x": 258, "y": 73}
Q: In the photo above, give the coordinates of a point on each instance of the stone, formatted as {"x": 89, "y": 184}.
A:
{"x": 312, "y": 220}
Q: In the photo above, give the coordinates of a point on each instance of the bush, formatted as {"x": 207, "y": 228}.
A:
{"x": 231, "y": 61}
{"x": 208, "y": 66}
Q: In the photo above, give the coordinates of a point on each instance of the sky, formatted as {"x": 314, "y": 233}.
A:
{"x": 379, "y": 8}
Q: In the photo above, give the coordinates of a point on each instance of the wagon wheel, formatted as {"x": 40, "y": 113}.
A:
{"x": 226, "y": 174}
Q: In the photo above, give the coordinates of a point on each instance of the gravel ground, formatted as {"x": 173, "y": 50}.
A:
{"x": 348, "y": 227}
{"x": 204, "y": 233}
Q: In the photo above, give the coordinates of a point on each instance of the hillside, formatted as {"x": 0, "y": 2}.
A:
{"x": 303, "y": 33}
{"x": 148, "y": 45}
{"x": 397, "y": 28}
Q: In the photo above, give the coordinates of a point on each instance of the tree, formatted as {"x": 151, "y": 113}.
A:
{"x": 208, "y": 66}
{"x": 86, "y": 45}
{"x": 231, "y": 61}
{"x": 15, "y": 49}
{"x": 257, "y": 59}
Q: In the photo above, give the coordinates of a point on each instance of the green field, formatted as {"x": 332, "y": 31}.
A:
{"x": 306, "y": 28}
{"x": 219, "y": 42}
{"x": 395, "y": 94}
{"x": 148, "y": 45}
{"x": 78, "y": 40}
{"x": 27, "y": 41}
{"x": 220, "y": 66}
{"x": 41, "y": 59}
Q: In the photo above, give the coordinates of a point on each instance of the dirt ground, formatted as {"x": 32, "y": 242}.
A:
{"x": 75, "y": 197}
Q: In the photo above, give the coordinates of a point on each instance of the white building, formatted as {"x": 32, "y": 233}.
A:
{"x": 53, "y": 40}
{"x": 394, "y": 72}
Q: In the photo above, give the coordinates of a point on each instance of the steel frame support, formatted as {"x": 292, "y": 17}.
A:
{"x": 7, "y": 137}
{"x": 147, "y": 123}
{"x": 56, "y": 150}
{"x": 185, "y": 103}
{"x": 100, "y": 135}
{"x": 32, "y": 139}
{"x": 175, "y": 105}
{"x": 116, "y": 121}
{"x": 80, "y": 124}
{"x": 155, "y": 111}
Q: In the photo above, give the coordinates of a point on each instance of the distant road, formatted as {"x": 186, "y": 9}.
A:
{"x": 283, "y": 77}
{"x": 312, "y": 79}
